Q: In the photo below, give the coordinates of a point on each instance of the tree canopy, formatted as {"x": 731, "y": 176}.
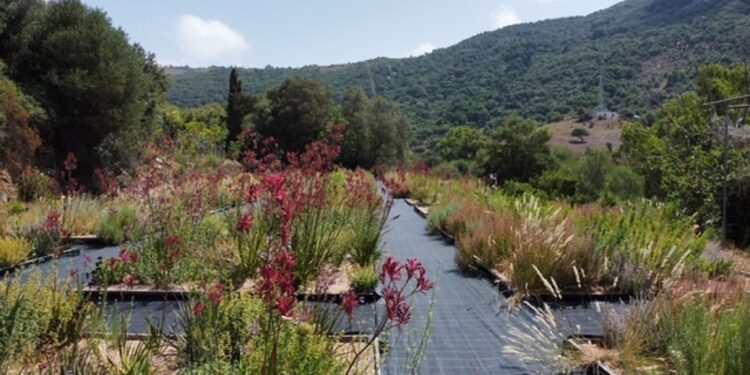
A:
{"x": 100, "y": 92}
{"x": 517, "y": 151}
{"x": 295, "y": 113}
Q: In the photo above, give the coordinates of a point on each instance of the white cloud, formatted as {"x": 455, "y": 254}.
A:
{"x": 209, "y": 42}
{"x": 423, "y": 49}
{"x": 504, "y": 15}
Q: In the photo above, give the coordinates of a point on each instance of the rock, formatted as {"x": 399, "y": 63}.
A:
{"x": 8, "y": 191}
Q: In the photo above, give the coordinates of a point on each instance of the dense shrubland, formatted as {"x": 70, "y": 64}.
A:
{"x": 645, "y": 50}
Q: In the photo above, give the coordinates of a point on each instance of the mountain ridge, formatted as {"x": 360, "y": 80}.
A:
{"x": 646, "y": 50}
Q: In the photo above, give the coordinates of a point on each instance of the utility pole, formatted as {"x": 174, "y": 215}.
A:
{"x": 727, "y": 105}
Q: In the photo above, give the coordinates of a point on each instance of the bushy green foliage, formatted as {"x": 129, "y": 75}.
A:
{"x": 219, "y": 332}
{"x": 377, "y": 133}
{"x": 518, "y": 151}
{"x": 102, "y": 116}
{"x": 296, "y": 113}
{"x": 13, "y": 251}
{"x": 120, "y": 225}
{"x": 681, "y": 156}
{"x": 19, "y": 140}
{"x": 704, "y": 341}
{"x": 462, "y": 143}
{"x": 34, "y": 312}
{"x": 225, "y": 337}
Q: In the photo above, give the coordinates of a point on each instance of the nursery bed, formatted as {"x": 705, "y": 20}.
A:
{"x": 468, "y": 321}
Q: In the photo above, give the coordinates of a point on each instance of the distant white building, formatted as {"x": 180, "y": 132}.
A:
{"x": 606, "y": 115}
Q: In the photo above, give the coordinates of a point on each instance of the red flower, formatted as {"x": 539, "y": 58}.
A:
{"x": 199, "y": 309}
{"x": 130, "y": 280}
{"x": 424, "y": 284}
{"x": 174, "y": 241}
{"x": 253, "y": 194}
{"x": 403, "y": 314}
{"x": 215, "y": 293}
{"x": 113, "y": 262}
{"x": 245, "y": 223}
{"x": 174, "y": 255}
{"x": 128, "y": 256}
{"x": 351, "y": 301}
{"x": 286, "y": 304}
{"x": 414, "y": 267}
{"x": 391, "y": 269}
{"x": 53, "y": 222}
{"x": 396, "y": 307}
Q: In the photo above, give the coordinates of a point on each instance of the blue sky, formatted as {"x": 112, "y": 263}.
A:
{"x": 285, "y": 33}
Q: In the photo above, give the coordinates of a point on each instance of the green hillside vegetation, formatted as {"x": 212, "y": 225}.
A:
{"x": 646, "y": 50}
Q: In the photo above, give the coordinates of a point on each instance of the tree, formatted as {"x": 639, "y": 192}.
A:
{"x": 517, "y": 151}
{"x": 239, "y": 105}
{"x": 592, "y": 175}
{"x": 461, "y": 143}
{"x": 18, "y": 138}
{"x": 376, "y": 131}
{"x": 297, "y": 113}
{"x": 681, "y": 155}
{"x": 100, "y": 92}
{"x": 580, "y": 133}
{"x": 390, "y": 132}
{"x": 355, "y": 110}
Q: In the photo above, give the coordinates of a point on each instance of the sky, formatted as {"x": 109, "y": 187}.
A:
{"x": 287, "y": 33}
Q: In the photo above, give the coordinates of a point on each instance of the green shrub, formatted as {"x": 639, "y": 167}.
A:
{"x": 34, "y": 312}
{"x": 16, "y": 207}
{"x": 219, "y": 332}
{"x": 34, "y": 185}
{"x": 364, "y": 279}
{"x": 13, "y": 251}
{"x": 366, "y": 235}
{"x": 437, "y": 220}
{"x": 623, "y": 184}
{"x": 300, "y": 352}
{"x": 120, "y": 225}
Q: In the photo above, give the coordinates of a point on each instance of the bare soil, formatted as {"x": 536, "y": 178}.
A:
{"x": 601, "y": 132}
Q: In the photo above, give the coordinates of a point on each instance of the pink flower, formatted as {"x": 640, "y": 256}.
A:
{"x": 174, "y": 255}
{"x": 391, "y": 269}
{"x": 199, "y": 309}
{"x": 130, "y": 280}
{"x": 113, "y": 262}
{"x": 215, "y": 293}
{"x": 173, "y": 241}
{"x": 128, "y": 256}
{"x": 53, "y": 222}
{"x": 253, "y": 194}
{"x": 351, "y": 301}
{"x": 286, "y": 304}
{"x": 413, "y": 267}
{"x": 396, "y": 307}
{"x": 245, "y": 223}
{"x": 423, "y": 284}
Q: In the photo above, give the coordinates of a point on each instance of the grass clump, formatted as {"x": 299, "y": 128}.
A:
{"x": 119, "y": 225}
{"x": 13, "y": 250}
{"x": 364, "y": 279}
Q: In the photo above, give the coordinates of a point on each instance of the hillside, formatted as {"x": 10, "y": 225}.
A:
{"x": 601, "y": 133}
{"x": 645, "y": 49}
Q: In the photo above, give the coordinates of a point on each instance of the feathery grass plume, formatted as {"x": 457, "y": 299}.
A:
{"x": 539, "y": 343}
